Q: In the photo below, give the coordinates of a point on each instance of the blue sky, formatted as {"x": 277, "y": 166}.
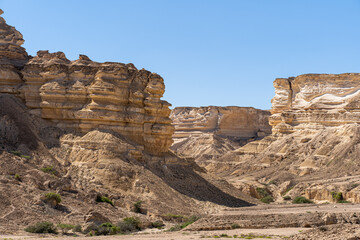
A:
{"x": 209, "y": 52}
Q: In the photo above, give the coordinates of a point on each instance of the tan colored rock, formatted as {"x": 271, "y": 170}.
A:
{"x": 84, "y": 95}
{"x": 213, "y": 131}
{"x": 315, "y": 101}
{"x": 11, "y": 40}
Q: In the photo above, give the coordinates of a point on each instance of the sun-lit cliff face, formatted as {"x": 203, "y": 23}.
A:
{"x": 314, "y": 101}
{"x": 84, "y": 95}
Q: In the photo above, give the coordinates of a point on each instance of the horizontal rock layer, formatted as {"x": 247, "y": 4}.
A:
{"x": 84, "y": 95}
{"x": 11, "y": 40}
{"x": 314, "y": 101}
{"x": 213, "y": 131}
{"x": 242, "y": 122}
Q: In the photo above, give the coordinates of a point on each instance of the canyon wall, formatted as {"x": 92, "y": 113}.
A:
{"x": 215, "y": 130}
{"x": 83, "y": 95}
{"x": 314, "y": 101}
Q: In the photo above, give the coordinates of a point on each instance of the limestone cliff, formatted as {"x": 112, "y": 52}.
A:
{"x": 84, "y": 95}
{"x": 314, "y": 146}
{"x": 314, "y": 101}
{"x": 216, "y": 130}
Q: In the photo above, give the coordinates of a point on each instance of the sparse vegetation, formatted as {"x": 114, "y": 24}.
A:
{"x": 267, "y": 199}
{"x": 343, "y": 201}
{"x": 50, "y": 197}
{"x": 137, "y": 207}
{"x": 235, "y": 226}
{"x": 17, "y": 153}
{"x": 187, "y": 222}
{"x": 157, "y": 224}
{"x": 42, "y": 227}
{"x": 287, "y": 190}
{"x": 77, "y": 228}
{"x": 337, "y": 196}
{"x": 49, "y": 170}
{"x": 104, "y": 199}
{"x": 65, "y": 228}
{"x": 17, "y": 177}
{"x": 300, "y": 199}
{"x": 287, "y": 198}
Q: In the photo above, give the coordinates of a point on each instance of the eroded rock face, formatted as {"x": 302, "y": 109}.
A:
{"x": 85, "y": 95}
{"x": 11, "y": 40}
{"x": 314, "y": 101}
{"x": 215, "y": 130}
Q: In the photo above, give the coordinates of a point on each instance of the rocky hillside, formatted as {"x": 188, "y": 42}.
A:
{"x": 207, "y": 132}
{"x": 88, "y": 130}
{"x": 314, "y": 148}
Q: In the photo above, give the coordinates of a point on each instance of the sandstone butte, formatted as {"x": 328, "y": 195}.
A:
{"x": 85, "y": 95}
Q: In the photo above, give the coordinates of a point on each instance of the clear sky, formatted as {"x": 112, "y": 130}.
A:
{"x": 209, "y": 52}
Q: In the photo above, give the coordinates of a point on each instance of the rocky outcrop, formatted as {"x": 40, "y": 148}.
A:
{"x": 212, "y": 131}
{"x": 11, "y": 40}
{"x": 83, "y": 95}
{"x": 315, "y": 101}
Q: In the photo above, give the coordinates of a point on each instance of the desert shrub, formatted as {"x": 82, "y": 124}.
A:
{"x": 343, "y": 201}
{"x": 157, "y": 224}
{"x": 104, "y": 199}
{"x": 262, "y": 192}
{"x": 137, "y": 207}
{"x": 129, "y": 224}
{"x": 301, "y": 200}
{"x": 235, "y": 226}
{"x": 267, "y": 199}
{"x": 287, "y": 190}
{"x": 65, "y": 227}
{"x": 49, "y": 170}
{"x": 286, "y": 198}
{"x": 42, "y": 227}
{"x": 53, "y": 196}
{"x": 187, "y": 222}
{"x": 77, "y": 228}
{"x": 17, "y": 177}
{"x": 337, "y": 196}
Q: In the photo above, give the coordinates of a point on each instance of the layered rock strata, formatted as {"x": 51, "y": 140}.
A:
{"x": 84, "y": 95}
{"x": 11, "y": 40}
{"x": 215, "y": 130}
{"x": 314, "y": 101}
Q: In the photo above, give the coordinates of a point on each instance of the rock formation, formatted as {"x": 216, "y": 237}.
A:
{"x": 214, "y": 130}
{"x": 313, "y": 149}
{"x": 315, "y": 101}
{"x": 84, "y": 95}
{"x": 85, "y": 130}
{"x": 11, "y": 40}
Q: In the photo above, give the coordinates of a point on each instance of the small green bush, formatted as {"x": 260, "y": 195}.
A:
{"x": 300, "y": 199}
{"x": 157, "y": 224}
{"x": 337, "y": 196}
{"x": 65, "y": 227}
{"x": 235, "y": 226}
{"x": 187, "y": 222}
{"x": 262, "y": 192}
{"x": 267, "y": 199}
{"x": 286, "y": 198}
{"x": 104, "y": 199}
{"x": 49, "y": 170}
{"x": 53, "y": 196}
{"x": 42, "y": 227}
{"x": 137, "y": 207}
{"x": 17, "y": 177}
{"x": 133, "y": 221}
{"x": 77, "y": 228}
{"x": 343, "y": 201}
